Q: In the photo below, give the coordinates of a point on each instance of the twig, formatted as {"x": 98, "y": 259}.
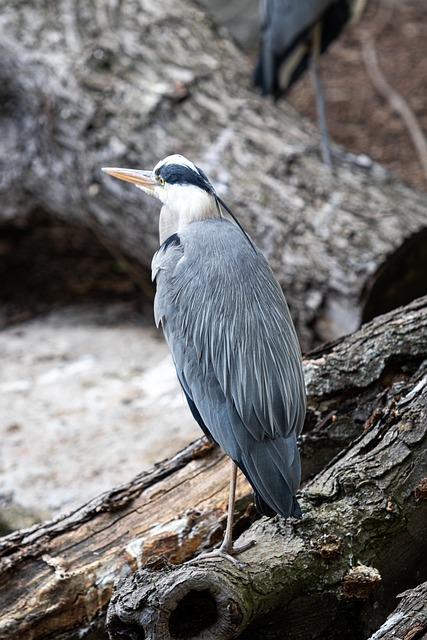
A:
{"x": 395, "y": 100}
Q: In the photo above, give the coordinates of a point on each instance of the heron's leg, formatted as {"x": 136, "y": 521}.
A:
{"x": 226, "y": 550}
{"x": 227, "y": 544}
{"x": 325, "y": 146}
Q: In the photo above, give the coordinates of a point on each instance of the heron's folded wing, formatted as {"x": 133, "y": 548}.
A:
{"x": 225, "y": 319}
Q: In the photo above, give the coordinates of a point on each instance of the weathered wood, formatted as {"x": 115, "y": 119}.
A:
{"x": 359, "y": 514}
{"x": 409, "y": 620}
{"x": 91, "y": 84}
{"x": 57, "y": 579}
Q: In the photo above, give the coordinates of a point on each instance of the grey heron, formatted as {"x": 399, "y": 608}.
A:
{"x": 293, "y": 34}
{"x": 230, "y": 334}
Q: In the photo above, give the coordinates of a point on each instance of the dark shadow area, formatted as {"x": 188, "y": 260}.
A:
{"x": 195, "y": 612}
{"x": 306, "y": 614}
{"x": 47, "y": 264}
{"x": 127, "y": 632}
{"x": 401, "y": 279}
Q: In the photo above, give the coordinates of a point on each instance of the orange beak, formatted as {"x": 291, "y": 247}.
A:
{"x": 140, "y": 178}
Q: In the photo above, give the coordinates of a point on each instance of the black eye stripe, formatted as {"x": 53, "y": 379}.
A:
{"x": 181, "y": 174}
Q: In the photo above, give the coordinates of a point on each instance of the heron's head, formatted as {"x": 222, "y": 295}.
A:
{"x": 185, "y": 191}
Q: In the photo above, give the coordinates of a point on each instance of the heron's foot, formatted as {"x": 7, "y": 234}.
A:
{"x": 227, "y": 552}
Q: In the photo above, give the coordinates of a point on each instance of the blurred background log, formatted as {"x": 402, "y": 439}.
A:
{"x": 86, "y": 85}
{"x": 56, "y": 580}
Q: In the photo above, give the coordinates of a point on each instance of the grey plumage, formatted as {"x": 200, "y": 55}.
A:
{"x": 293, "y": 34}
{"x": 287, "y": 41}
{"x": 228, "y": 328}
{"x": 236, "y": 353}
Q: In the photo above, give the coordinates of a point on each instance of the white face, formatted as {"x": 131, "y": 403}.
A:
{"x": 190, "y": 203}
{"x": 186, "y": 201}
{"x": 189, "y": 200}
{"x": 173, "y": 194}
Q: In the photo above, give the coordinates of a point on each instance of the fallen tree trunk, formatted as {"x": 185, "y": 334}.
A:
{"x": 359, "y": 514}
{"x": 89, "y": 85}
{"x": 56, "y": 579}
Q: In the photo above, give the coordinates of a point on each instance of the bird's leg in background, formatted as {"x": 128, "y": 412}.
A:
{"x": 320, "y": 98}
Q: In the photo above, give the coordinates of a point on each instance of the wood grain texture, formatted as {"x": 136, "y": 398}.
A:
{"x": 59, "y": 577}
{"x": 409, "y": 620}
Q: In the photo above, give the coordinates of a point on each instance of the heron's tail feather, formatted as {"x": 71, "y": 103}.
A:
{"x": 262, "y": 507}
{"x": 273, "y": 469}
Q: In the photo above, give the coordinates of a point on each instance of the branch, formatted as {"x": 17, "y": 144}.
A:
{"x": 409, "y": 620}
{"x": 176, "y": 510}
{"x": 356, "y": 515}
{"x": 396, "y": 101}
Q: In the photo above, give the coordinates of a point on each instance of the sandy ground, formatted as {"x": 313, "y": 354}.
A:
{"x": 84, "y": 406}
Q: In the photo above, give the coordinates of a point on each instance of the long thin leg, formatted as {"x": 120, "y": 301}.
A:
{"x": 226, "y": 550}
{"x": 227, "y": 544}
{"x": 325, "y": 146}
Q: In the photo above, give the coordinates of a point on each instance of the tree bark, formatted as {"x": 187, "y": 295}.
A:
{"x": 88, "y": 84}
{"x": 409, "y": 620}
{"x": 367, "y": 506}
{"x": 359, "y": 515}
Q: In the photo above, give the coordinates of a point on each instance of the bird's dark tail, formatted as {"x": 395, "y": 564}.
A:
{"x": 265, "y": 510}
{"x": 272, "y": 467}
{"x": 262, "y": 507}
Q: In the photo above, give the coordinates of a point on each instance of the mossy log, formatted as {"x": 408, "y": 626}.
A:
{"x": 365, "y": 506}
{"x": 89, "y": 84}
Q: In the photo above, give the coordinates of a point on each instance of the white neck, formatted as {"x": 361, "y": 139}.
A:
{"x": 168, "y": 224}
{"x": 184, "y": 205}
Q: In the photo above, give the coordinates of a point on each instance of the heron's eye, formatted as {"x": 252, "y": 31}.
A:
{"x": 160, "y": 180}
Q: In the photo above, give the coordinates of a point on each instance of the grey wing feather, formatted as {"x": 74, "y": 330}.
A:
{"x": 284, "y": 26}
{"x": 235, "y": 351}
{"x": 284, "y": 21}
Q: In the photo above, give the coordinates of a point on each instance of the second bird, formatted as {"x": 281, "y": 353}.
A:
{"x": 294, "y": 32}
{"x": 228, "y": 328}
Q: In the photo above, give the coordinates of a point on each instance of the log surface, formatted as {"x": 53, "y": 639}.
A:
{"x": 360, "y": 515}
{"x": 178, "y": 509}
{"x": 409, "y": 620}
